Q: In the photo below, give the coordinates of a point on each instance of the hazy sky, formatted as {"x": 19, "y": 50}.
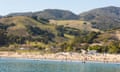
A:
{"x": 77, "y": 6}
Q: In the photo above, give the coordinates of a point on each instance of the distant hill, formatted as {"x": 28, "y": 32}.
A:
{"x": 49, "y": 14}
{"x": 103, "y": 18}
{"x": 20, "y": 14}
{"x": 57, "y": 14}
{"x": 1, "y": 16}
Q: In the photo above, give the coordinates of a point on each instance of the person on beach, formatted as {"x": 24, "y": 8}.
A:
{"x": 84, "y": 60}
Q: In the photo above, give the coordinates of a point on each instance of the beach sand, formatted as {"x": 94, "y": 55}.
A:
{"x": 114, "y": 58}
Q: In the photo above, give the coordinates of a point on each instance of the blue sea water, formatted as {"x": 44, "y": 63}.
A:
{"x": 25, "y": 65}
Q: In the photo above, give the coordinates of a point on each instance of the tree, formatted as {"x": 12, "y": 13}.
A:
{"x": 3, "y": 37}
{"x": 113, "y": 47}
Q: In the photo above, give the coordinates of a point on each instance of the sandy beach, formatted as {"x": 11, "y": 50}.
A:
{"x": 114, "y": 58}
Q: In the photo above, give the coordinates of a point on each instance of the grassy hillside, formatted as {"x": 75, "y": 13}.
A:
{"x": 55, "y": 35}
{"x": 105, "y": 18}
{"x": 78, "y": 24}
{"x": 22, "y": 31}
{"x": 20, "y": 24}
{"x": 21, "y": 28}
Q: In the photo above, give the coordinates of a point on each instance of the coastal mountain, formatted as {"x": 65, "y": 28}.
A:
{"x": 54, "y": 30}
{"x": 49, "y": 14}
{"x": 1, "y": 16}
{"x": 103, "y": 18}
{"x": 30, "y": 14}
{"x": 36, "y": 35}
{"x": 57, "y": 14}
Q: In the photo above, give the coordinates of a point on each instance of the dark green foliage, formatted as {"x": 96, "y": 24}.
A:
{"x": 3, "y": 37}
{"x": 41, "y": 20}
{"x": 72, "y": 31}
{"x": 3, "y": 26}
{"x": 60, "y": 31}
{"x": 98, "y": 48}
{"x": 91, "y": 36}
{"x": 16, "y": 39}
{"x": 67, "y": 30}
{"x": 87, "y": 37}
{"x": 40, "y": 35}
{"x": 66, "y": 47}
{"x": 113, "y": 47}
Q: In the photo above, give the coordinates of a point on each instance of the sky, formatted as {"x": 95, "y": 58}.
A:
{"x": 76, "y": 6}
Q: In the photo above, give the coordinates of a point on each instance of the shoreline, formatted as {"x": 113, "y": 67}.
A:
{"x": 65, "y": 57}
{"x": 68, "y": 61}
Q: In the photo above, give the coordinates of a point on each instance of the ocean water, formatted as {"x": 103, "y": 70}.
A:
{"x": 24, "y": 65}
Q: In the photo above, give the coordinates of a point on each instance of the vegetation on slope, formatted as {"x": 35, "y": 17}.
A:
{"x": 97, "y": 30}
{"x": 103, "y": 18}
